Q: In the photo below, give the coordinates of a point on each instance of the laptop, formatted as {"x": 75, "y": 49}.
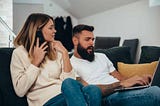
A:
{"x": 155, "y": 80}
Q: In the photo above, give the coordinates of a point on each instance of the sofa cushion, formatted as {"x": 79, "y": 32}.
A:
{"x": 0, "y": 99}
{"x": 149, "y": 54}
{"x": 128, "y": 70}
{"x": 117, "y": 54}
{"x": 106, "y": 42}
{"x": 8, "y": 96}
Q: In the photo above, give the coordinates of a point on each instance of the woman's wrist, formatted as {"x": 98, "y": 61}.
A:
{"x": 35, "y": 63}
{"x": 65, "y": 52}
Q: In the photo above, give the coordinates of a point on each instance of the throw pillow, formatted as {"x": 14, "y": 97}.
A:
{"x": 128, "y": 70}
{"x": 149, "y": 54}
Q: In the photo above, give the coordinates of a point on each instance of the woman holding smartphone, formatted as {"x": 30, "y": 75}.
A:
{"x": 41, "y": 69}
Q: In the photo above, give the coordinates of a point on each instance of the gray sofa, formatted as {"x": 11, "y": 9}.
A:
{"x": 115, "y": 54}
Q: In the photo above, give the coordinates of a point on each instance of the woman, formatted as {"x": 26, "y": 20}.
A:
{"x": 41, "y": 69}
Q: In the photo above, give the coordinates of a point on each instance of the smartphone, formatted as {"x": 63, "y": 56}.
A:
{"x": 39, "y": 35}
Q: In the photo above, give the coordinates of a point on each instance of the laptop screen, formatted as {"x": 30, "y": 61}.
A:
{"x": 156, "y": 76}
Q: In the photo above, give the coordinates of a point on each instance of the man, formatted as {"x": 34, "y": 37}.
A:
{"x": 97, "y": 69}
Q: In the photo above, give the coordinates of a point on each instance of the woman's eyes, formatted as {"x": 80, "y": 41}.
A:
{"x": 52, "y": 27}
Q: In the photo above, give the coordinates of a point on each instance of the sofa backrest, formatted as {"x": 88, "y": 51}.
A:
{"x": 106, "y": 42}
{"x": 133, "y": 44}
{"x": 7, "y": 93}
{"x": 149, "y": 54}
{"x": 117, "y": 54}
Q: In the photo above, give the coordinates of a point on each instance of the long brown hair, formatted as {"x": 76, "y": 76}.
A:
{"x": 27, "y": 35}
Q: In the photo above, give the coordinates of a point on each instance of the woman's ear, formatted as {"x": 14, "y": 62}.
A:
{"x": 75, "y": 41}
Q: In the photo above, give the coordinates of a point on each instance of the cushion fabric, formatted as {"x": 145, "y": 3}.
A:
{"x": 0, "y": 99}
{"x": 8, "y": 96}
{"x": 149, "y": 54}
{"x": 106, "y": 42}
{"x": 128, "y": 70}
{"x": 117, "y": 54}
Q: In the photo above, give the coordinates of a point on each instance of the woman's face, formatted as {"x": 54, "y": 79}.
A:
{"x": 49, "y": 31}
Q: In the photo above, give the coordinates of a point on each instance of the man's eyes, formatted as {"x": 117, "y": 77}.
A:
{"x": 89, "y": 39}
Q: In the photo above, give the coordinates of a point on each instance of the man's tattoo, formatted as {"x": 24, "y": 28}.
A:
{"x": 109, "y": 89}
{"x": 106, "y": 89}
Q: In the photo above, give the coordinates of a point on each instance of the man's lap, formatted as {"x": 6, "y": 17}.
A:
{"x": 147, "y": 96}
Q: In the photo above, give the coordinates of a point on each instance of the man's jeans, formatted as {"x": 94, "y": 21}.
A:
{"x": 141, "y": 97}
{"x": 75, "y": 94}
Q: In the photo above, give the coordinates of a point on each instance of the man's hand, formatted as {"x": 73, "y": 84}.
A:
{"x": 136, "y": 80}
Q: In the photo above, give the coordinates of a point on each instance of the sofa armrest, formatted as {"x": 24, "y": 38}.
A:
{"x": 7, "y": 93}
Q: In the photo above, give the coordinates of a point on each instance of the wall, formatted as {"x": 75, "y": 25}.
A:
{"x": 21, "y": 10}
{"x": 136, "y": 20}
{"x": 54, "y": 10}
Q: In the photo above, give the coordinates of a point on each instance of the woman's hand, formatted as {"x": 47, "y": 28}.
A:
{"x": 66, "y": 61}
{"x": 39, "y": 53}
{"x": 59, "y": 47}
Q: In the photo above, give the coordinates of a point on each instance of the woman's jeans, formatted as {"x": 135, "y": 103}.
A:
{"x": 141, "y": 97}
{"x": 75, "y": 94}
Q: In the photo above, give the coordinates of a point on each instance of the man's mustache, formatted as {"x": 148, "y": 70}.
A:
{"x": 90, "y": 47}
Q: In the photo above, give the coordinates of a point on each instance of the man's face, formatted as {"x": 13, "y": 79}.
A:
{"x": 86, "y": 53}
{"x": 85, "y": 46}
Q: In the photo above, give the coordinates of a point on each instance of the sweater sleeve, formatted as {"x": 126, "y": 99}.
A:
{"x": 64, "y": 74}
{"x": 23, "y": 75}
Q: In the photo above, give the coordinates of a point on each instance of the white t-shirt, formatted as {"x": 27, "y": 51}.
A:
{"x": 95, "y": 72}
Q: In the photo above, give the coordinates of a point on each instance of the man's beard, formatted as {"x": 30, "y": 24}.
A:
{"x": 84, "y": 54}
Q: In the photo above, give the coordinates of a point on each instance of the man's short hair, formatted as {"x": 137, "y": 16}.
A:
{"x": 79, "y": 28}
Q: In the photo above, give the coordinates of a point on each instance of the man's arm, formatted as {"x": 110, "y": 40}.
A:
{"x": 117, "y": 75}
{"x": 82, "y": 81}
{"x": 106, "y": 89}
{"x": 124, "y": 83}
{"x": 109, "y": 88}
{"x": 132, "y": 81}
